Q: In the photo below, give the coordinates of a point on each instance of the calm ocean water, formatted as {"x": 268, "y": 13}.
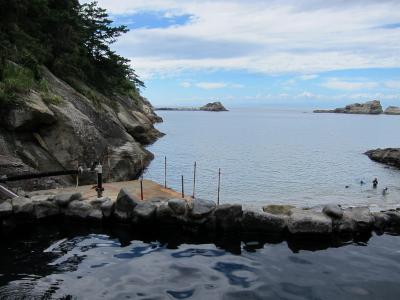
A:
{"x": 278, "y": 156}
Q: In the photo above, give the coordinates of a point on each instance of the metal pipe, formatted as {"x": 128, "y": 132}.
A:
{"x": 7, "y": 193}
{"x": 6, "y": 178}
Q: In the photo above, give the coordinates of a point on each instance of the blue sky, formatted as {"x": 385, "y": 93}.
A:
{"x": 296, "y": 53}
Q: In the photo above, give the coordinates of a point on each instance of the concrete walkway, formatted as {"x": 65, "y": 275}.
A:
{"x": 151, "y": 189}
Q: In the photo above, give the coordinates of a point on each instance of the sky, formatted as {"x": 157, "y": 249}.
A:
{"x": 261, "y": 53}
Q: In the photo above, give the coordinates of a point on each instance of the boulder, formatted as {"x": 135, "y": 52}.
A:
{"x": 178, "y": 206}
{"x": 394, "y": 218}
{"x": 392, "y": 110}
{"x": 309, "y": 222}
{"x": 63, "y": 199}
{"x": 278, "y": 209}
{"x": 333, "y": 210}
{"x": 79, "y": 209}
{"x": 370, "y": 108}
{"x": 6, "y": 208}
{"x": 388, "y": 156}
{"x": 263, "y": 222}
{"x": 214, "y": 106}
{"x": 355, "y": 219}
{"x": 22, "y": 205}
{"x": 33, "y": 114}
{"x": 164, "y": 214}
{"x": 144, "y": 212}
{"x": 125, "y": 204}
{"x": 95, "y": 214}
{"x": 44, "y": 209}
{"x": 228, "y": 216}
{"x": 107, "y": 207}
{"x": 201, "y": 208}
{"x": 381, "y": 220}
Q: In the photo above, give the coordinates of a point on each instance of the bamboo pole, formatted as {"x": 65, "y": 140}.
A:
{"x": 183, "y": 190}
{"x": 194, "y": 179}
{"x": 165, "y": 171}
{"x": 219, "y": 184}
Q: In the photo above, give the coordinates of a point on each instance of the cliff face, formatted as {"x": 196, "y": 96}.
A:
{"x": 69, "y": 130}
{"x": 392, "y": 110}
{"x": 369, "y": 108}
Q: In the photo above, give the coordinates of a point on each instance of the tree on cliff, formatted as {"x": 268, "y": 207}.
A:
{"x": 71, "y": 39}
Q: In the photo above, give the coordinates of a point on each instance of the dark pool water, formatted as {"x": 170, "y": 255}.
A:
{"x": 58, "y": 262}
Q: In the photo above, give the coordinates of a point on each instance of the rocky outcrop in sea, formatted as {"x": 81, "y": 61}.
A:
{"x": 392, "y": 110}
{"x": 369, "y": 108}
{"x": 214, "y": 106}
{"x": 388, "y": 156}
{"x": 48, "y": 135}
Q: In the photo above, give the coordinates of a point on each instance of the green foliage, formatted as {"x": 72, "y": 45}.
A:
{"x": 71, "y": 39}
{"x": 16, "y": 80}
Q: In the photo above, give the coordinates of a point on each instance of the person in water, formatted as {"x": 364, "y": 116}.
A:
{"x": 375, "y": 183}
{"x": 385, "y": 191}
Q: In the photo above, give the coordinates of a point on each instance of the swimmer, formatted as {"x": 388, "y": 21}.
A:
{"x": 385, "y": 191}
{"x": 375, "y": 183}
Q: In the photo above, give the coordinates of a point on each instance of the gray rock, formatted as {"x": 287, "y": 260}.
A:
{"x": 22, "y": 205}
{"x": 79, "y": 209}
{"x": 388, "y": 156}
{"x": 228, "y": 217}
{"x": 63, "y": 199}
{"x": 333, "y": 211}
{"x": 164, "y": 214}
{"x": 214, "y": 106}
{"x": 381, "y": 220}
{"x": 107, "y": 207}
{"x": 309, "y": 222}
{"x": 6, "y": 208}
{"x": 201, "y": 208}
{"x": 370, "y": 108}
{"x": 355, "y": 219}
{"x": 44, "y": 209}
{"x": 178, "y": 206}
{"x": 144, "y": 211}
{"x": 394, "y": 218}
{"x": 40, "y": 198}
{"x": 263, "y": 222}
{"x": 277, "y": 209}
{"x": 392, "y": 110}
{"x": 125, "y": 204}
{"x": 95, "y": 214}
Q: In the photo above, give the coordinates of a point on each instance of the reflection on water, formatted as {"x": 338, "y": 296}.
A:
{"x": 61, "y": 262}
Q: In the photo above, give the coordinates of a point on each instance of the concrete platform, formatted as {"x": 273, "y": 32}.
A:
{"x": 151, "y": 189}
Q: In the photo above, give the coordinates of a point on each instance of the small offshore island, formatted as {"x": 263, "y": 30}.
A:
{"x": 373, "y": 107}
{"x": 212, "y": 106}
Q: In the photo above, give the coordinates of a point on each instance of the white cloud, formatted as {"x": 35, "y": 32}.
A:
{"x": 211, "y": 85}
{"x": 334, "y": 83}
{"x": 393, "y": 84}
{"x": 185, "y": 84}
{"x": 308, "y": 77}
{"x": 266, "y": 36}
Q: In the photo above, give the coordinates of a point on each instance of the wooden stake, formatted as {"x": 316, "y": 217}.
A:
{"x": 219, "y": 184}
{"x": 183, "y": 191}
{"x": 165, "y": 171}
{"x": 141, "y": 189}
{"x": 194, "y": 179}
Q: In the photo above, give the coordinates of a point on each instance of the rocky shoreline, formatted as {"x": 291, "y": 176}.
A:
{"x": 194, "y": 216}
{"x": 368, "y": 108}
{"x": 214, "y": 106}
{"x": 388, "y": 156}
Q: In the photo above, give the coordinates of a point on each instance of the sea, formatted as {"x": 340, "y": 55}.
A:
{"x": 277, "y": 157}
{"x": 265, "y": 157}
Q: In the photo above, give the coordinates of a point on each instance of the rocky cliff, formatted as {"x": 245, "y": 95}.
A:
{"x": 388, "y": 156}
{"x": 369, "y": 108}
{"x": 214, "y": 106}
{"x": 67, "y": 130}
